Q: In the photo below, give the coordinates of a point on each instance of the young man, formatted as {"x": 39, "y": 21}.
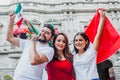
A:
{"x": 35, "y": 56}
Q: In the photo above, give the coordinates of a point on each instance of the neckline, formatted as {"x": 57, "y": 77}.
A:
{"x": 41, "y": 45}
{"x": 63, "y": 60}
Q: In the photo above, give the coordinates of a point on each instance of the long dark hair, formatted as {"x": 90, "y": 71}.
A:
{"x": 66, "y": 52}
{"x": 86, "y": 39}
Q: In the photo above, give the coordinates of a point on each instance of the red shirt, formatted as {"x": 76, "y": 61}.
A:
{"x": 59, "y": 70}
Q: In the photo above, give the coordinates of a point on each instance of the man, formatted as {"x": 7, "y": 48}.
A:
{"x": 35, "y": 56}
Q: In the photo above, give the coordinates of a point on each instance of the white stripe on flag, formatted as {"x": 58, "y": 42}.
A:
{"x": 19, "y": 14}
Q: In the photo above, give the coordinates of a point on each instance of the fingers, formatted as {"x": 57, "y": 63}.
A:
{"x": 25, "y": 21}
{"x": 102, "y": 12}
{"x": 11, "y": 14}
{"x": 12, "y": 17}
{"x": 34, "y": 37}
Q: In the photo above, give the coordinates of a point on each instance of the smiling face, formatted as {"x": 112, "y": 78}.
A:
{"x": 61, "y": 47}
{"x": 45, "y": 35}
{"x": 60, "y": 43}
{"x": 80, "y": 43}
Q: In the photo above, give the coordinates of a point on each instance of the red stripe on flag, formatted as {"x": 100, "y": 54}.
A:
{"x": 19, "y": 22}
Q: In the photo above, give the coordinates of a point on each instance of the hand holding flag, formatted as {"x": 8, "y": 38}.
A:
{"x": 12, "y": 17}
{"x": 109, "y": 41}
{"x": 31, "y": 28}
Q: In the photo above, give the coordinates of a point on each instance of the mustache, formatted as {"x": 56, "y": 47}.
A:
{"x": 40, "y": 40}
{"x": 43, "y": 36}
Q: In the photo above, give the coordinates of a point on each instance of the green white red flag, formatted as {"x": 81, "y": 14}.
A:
{"x": 19, "y": 15}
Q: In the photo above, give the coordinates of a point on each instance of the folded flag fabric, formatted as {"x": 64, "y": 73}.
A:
{"x": 19, "y": 15}
{"x": 20, "y": 30}
{"x": 31, "y": 28}
{"x": 110, "y": 40}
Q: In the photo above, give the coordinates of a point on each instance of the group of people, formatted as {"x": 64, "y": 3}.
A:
{"x": 59, "y": 62}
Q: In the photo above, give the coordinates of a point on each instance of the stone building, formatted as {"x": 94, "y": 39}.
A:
{"x": 69, "y": 16}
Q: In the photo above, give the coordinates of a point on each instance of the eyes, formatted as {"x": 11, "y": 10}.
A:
{"x": 76, "y": 40}
{"x": 59, "y": 40}
{"x": 46, "y": 32}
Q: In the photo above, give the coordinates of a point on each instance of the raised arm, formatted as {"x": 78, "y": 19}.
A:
{"x": 13, "y": 40}
{"x": 36, "y": 58}
{"x": 27, "y": 23}
{"x": 99, "y": 30}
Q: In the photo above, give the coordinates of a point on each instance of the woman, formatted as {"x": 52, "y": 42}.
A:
{"x": 60, "y": 68}
{"x": 84, "y": 60}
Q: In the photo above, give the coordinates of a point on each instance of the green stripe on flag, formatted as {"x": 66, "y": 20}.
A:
{"x": 30, "y": 29}
{"x": 34, "y": 29}
{"x": 19, "y": 7}
{"x": 52, "y": 23}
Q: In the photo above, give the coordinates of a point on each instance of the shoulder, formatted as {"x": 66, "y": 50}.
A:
{"x": 47, "y": 49}
{"x": 91, "y": 48}
{"x": 24, "y": 40}
{"x": 50, "y": 48}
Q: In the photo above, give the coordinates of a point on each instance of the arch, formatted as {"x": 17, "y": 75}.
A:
{"x": 35, "y": 22}
{"x": 56, "y": 21}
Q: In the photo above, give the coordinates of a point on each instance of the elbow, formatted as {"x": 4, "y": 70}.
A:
{"x": 8, "y": 39}
{"x": 33, "y": 62}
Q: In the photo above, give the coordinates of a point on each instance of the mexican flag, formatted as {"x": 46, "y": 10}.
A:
{"x": 19, "y": 15}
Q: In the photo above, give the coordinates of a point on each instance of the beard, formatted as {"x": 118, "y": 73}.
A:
{"x": 43, "y": 41}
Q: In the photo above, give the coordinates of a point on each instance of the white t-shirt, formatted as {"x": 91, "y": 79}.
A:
{"x": 85, "y": 65}
{"x": 24, "y": 69}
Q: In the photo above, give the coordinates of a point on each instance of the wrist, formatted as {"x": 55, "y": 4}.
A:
{"x": 102, "y": 17}
{"x": 33, "y": 44}
{"x": 11, "y": 22}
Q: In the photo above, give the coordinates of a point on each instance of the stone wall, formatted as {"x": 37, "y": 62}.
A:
{"x": 117, "y": 72}
{"x": 7, "y": 71}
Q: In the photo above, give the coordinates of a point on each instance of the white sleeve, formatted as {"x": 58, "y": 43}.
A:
{"x": 49, "y": 54}
{"x": 22, "y": 44}
{"x": 92, "y": 49}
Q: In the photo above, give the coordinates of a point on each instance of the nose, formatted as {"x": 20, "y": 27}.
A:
{"x": 77, "y": 42}
{"x": 43, "y": 32}
{"x": 61, "y": 43}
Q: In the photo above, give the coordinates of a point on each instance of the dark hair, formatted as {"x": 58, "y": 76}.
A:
{"x": 51, "y": 28}
{"x": 66, "y": 51}
{"x": 86, "y": 39}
